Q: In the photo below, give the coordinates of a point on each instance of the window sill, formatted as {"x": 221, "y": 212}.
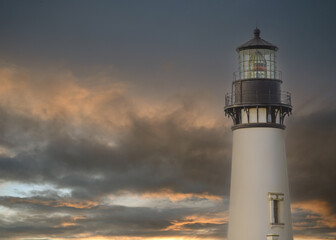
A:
{"x": 277, "y": 225}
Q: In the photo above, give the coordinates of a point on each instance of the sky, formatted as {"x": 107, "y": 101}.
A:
{"x": 112, "y": 122}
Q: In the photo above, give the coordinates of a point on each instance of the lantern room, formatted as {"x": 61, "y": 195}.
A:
{"x": 257, "y": 59}
{"x": 256, "y": 99}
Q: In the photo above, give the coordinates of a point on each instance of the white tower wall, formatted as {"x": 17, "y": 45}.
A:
{"x": 259, "y": 173}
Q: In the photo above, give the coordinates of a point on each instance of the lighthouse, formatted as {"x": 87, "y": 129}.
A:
{"x": 259, "y": 194}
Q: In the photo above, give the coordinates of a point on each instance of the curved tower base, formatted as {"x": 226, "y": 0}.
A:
{"x": 259, "y": 198}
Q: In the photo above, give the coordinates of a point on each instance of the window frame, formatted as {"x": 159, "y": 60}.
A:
{"x": 276, "y": 208}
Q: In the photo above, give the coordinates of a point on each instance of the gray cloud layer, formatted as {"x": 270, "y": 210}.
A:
{"x": 312, "y": 156}
{"x": 147, "y": 155}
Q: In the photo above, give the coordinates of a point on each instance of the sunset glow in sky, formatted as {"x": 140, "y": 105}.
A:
{"x": 112, "y": 122}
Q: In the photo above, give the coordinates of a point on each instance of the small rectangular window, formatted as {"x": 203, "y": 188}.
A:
{"x": 275, "y": 211}
{"x": 276, "y": 208}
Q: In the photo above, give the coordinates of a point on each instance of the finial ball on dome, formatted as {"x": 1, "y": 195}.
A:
{"x": 256, "y": 33}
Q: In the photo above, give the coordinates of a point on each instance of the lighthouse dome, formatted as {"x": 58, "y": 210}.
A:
{"x": 257, "y": 42}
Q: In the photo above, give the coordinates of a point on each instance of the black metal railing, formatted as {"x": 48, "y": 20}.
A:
{"x": 252, "y": 74}
{"x": 246, "y": 98}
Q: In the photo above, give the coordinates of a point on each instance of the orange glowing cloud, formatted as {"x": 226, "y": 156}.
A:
{"x": 174, "y": 197}
{"x": 60, "y": 96}
{"x": 182, "y": 225}
{"x": 319, "y": 207}
{"x": 302, "y": 237}
{"x": 54, "y": 203}
{"x": 73, "y": 221}
{"x": 88, "y": 237}
{"x": 64, "y": 96}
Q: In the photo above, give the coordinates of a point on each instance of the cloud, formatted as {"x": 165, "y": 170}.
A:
{"x": 38, "y": 217}
{"x": 10, "y": 201}
{"x": 311, "y": 161}
{"x": 102, "y": 142}
{"x": 311, "y": 157}
{"x": 201, "y": 223}
{"x": 106, "y": 144}
{"x": 312, "y": 218}
{"x": 173, "y": 196}
{"x": 85, "y": 142}
{"x": 319, "y": 215}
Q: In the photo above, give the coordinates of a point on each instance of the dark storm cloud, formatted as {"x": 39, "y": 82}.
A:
{"x": 312, "y": 224}
{"x": 38, "y": 217}
{"x": 312, "y": 157}
{"x": 47, "y": 204}
{"x": 53, "y": 132}
{"x": 311, "y": 160}
{"x": 159, "y": 154}
{"x": 151, "y": 155}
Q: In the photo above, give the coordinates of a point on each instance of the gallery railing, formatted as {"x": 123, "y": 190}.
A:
{"x": 246, "y": 98}
{"x": 252, "y": 74}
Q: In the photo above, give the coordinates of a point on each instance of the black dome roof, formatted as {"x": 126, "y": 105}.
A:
{"x": 257, "y": 42}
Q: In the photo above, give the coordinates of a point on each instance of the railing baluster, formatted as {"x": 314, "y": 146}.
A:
{"x": 254, "y": 97}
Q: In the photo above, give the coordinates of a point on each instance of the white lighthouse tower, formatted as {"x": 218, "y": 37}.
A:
{"x": 259, "y": 198}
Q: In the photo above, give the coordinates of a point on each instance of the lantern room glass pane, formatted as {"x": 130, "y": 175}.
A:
{"x": 257, "y": 63}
